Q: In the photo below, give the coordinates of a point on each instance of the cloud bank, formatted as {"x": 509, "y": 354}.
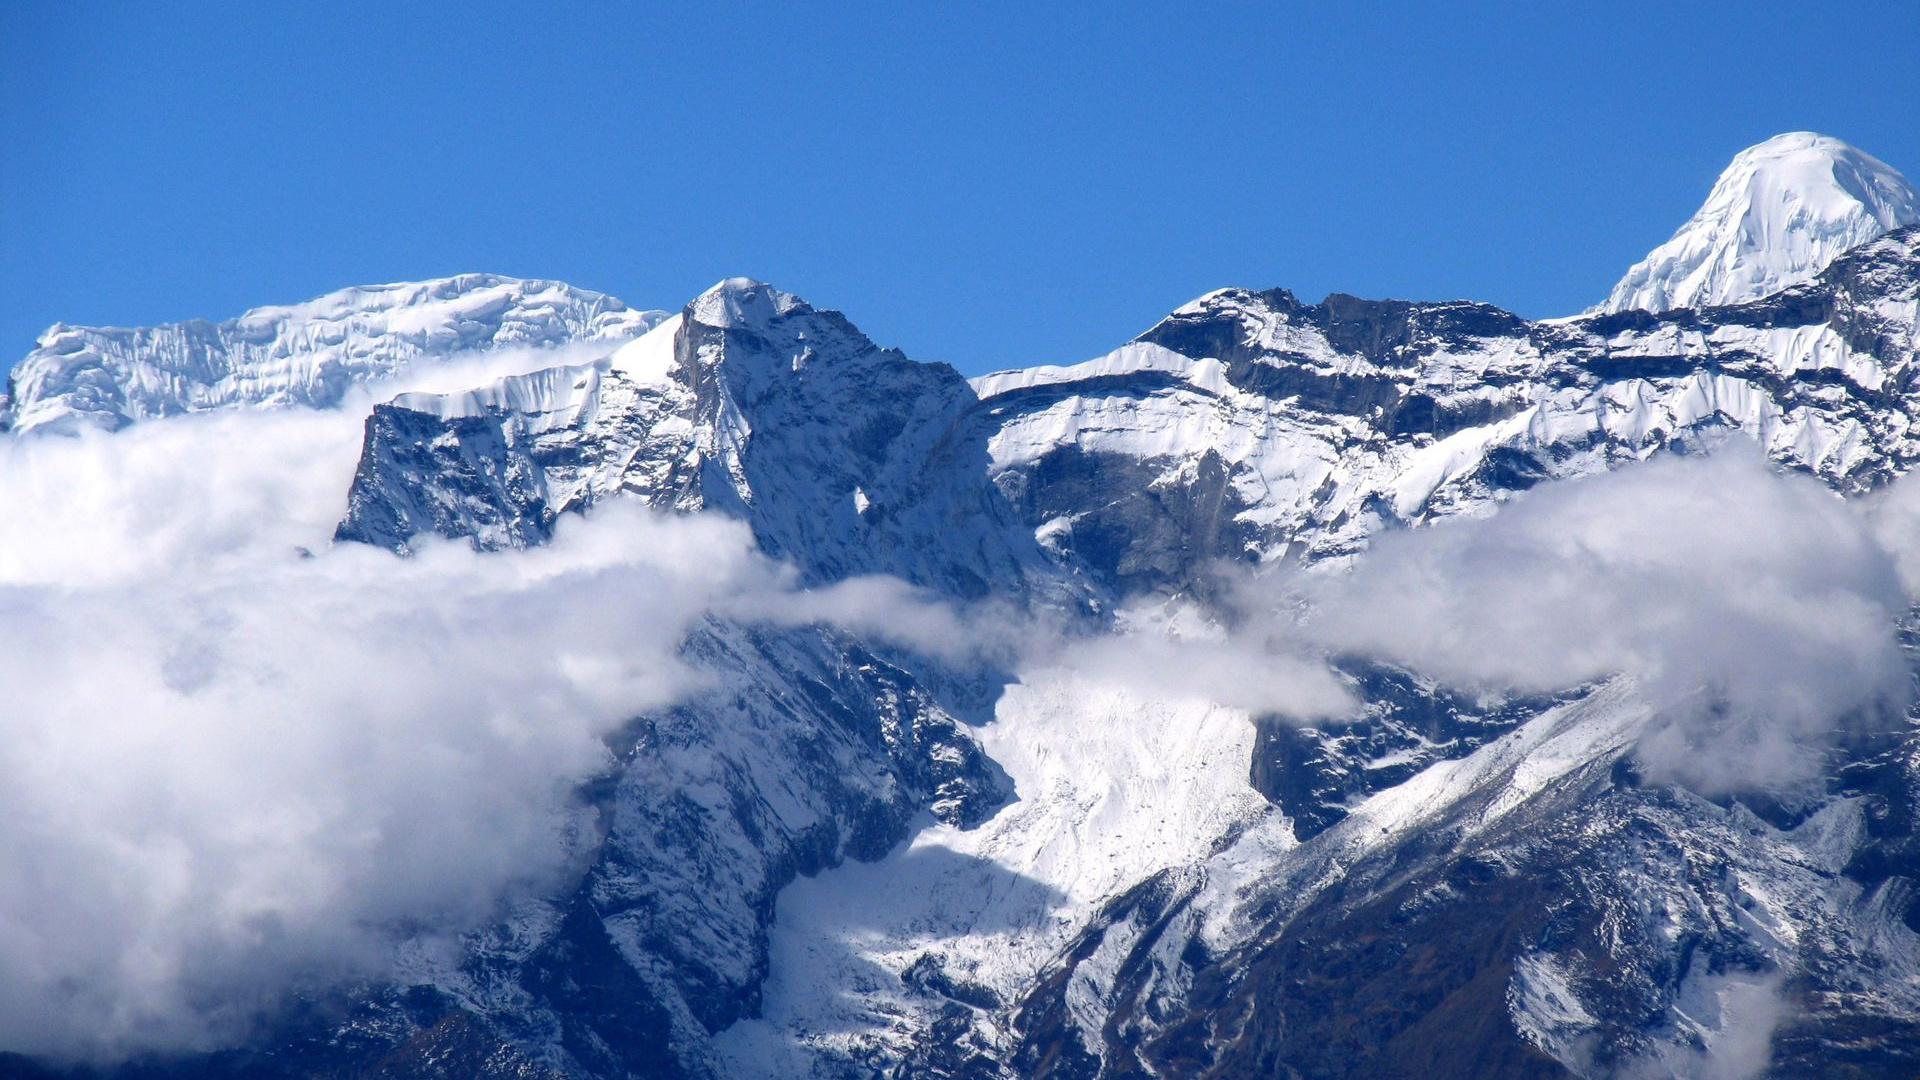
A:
{"x": 239, "y": 762}
{"x": 1755, "y": 611}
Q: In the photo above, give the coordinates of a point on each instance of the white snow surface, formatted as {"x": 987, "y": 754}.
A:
{"x": 1478, "y": 791}
{"x": 562, "y": 395}
{"x": 1129, "y": 359}
{"x": 1777, "y": 216}
{"x": 1112, "y": 787}
{"x": 309, "y": 354}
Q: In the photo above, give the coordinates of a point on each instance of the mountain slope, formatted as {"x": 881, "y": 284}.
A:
{"x": 1611, "y": 925}
{"x": 1251, "y": 426}
{"x": 1777, "y": 216}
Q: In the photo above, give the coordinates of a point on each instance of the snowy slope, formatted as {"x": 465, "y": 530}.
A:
{"x": 1114, "y": 788}
{"x": 495, "y": 462}
{"x": 808, "y": 750}
{"x": 299, "y": 354}
{"x": 1777, "y": 216}
{"x": 1623, "y": 929}
{"x": 1252, "y": 426}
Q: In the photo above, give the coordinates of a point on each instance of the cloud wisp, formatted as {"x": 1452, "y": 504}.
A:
{"x": 1755, "y": 611}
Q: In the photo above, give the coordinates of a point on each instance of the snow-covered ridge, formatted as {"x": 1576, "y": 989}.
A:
{"x": 1132, "y": 358}
{"x": 742, "y": 301}
{"x": 1292, "y": 427}
{"x": 307, "y": 354}
{"x": 1304, "y": 428}
{"x": 1777, "y": 216}
{"x": 843, "y": 457}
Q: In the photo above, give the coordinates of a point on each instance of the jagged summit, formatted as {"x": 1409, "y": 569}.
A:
{"x": 740, "y": 301}
{"x": 1777, "y": 216}
{"x": 844, "y": 457}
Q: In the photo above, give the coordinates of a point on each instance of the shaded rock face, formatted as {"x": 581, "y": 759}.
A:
{"x": 1375, "y": 994}
{"x": 1314, "y": 774}
{"x": 844, "y": 457}
{"x": 477, "y": 483}
{"x": 1583, "y": 933}
{"x": 1134, "y": 529}
{"x": 1447, "y": 884}
{"x": 715, "y": 806}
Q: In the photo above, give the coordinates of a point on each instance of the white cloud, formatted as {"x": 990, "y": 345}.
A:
{"x": 1181, "y": 652}
{"x": 231, "y": 769}
{"x": 1734, "y": 1016}
{"x": 1755, "y": 610}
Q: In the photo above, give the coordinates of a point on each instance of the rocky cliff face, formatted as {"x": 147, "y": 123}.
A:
{"x": 845, "y": 458}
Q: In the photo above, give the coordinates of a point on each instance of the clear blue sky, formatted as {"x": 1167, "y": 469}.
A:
{"x": 989, "y": 184}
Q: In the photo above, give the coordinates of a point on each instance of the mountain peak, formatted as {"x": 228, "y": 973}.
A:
{"x": 1780, "y": 212}
{"x": 742, "y": 301}
{"x": 303, "y": 354}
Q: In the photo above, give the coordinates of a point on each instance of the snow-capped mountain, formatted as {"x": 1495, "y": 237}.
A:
{"x": 1247, "y": 426}
{"x": 298, "y": 354}
{"x": 1778, "y": 215}
{"x": 842, "y": 455}
{"x": 844, "y": 859}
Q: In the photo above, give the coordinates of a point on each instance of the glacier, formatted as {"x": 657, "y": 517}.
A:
{"x": 309, "y": 354}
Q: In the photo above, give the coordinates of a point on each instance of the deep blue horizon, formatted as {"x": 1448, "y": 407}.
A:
{"x": 1006, "y": 187}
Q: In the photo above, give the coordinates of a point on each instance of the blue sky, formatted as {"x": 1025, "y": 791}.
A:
{"x": 988, "y": 184}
